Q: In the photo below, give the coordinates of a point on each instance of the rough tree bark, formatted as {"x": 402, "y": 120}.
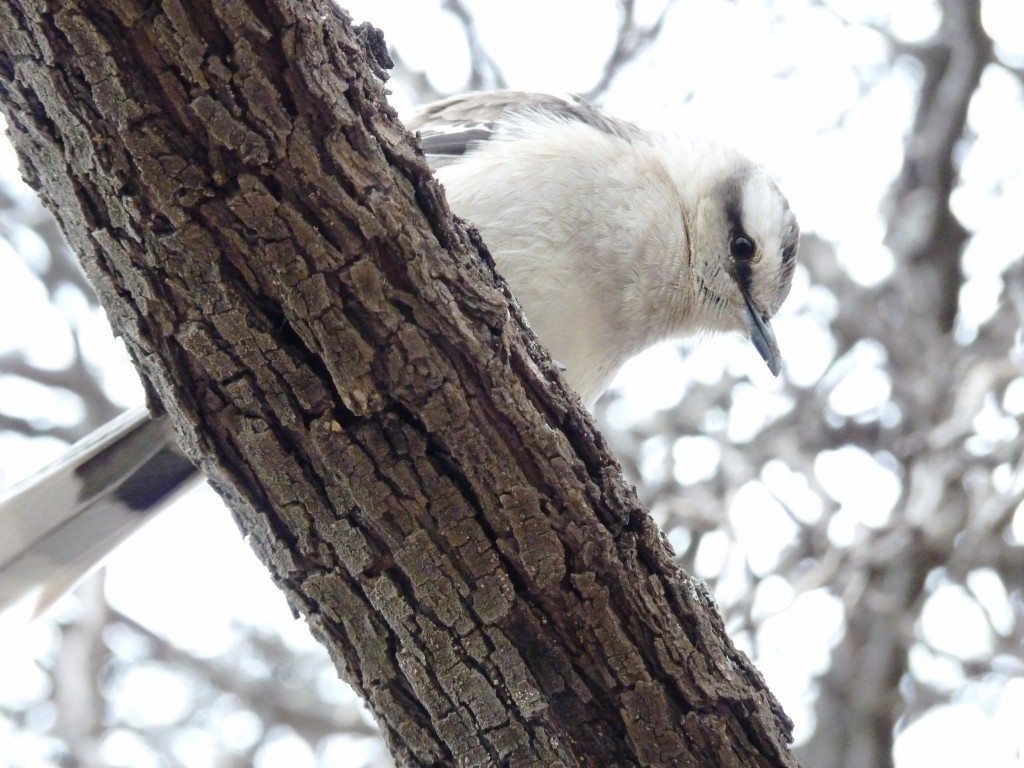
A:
{"x": 335, "y": 352}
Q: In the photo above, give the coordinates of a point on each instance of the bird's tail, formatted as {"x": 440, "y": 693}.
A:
{"x": 60, "y": 523}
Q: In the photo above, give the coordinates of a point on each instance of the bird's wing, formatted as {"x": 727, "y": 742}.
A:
{"x": 60, "y": 523}
{"x": 451, "y": 127}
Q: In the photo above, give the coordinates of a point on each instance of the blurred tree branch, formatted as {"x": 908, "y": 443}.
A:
{"x": 632, "y": 39}
{"x": 922, "y": 230}
{"x": 58, "y": 272}
{"x": 484, "y": 72}
{"x": 882, "y": 580}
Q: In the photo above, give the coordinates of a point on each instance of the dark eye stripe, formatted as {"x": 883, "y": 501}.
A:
{"x": 740, "y": 269}
{"x": 734, "y": 209}
{"x": 790, "y": 239}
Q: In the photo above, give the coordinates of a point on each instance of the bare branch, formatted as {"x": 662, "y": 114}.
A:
{"x": 632, "y": 40}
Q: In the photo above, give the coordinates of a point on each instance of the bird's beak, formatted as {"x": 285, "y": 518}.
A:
{"x": 763, "y": 338}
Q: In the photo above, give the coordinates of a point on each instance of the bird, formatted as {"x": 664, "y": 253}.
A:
{"x": 612, "y": 237}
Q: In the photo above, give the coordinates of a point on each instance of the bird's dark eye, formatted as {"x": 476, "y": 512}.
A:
{"x": 742, "y": 248}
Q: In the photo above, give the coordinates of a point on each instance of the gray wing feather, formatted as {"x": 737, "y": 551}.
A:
{"x": 450, "y": 127}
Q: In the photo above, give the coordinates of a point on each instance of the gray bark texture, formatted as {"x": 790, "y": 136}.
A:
{"x": 337, "y": 355}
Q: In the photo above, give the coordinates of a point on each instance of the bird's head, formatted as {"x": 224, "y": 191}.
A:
{"x": 745, "y": 241}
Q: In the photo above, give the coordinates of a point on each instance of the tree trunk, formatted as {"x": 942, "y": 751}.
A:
{"x": 336, "y": 354}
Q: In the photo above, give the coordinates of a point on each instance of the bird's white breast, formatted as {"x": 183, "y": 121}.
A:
{"x": 584, "y": 226}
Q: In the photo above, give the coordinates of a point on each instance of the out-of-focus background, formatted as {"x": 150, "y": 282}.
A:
{"x": 859, "y": 519}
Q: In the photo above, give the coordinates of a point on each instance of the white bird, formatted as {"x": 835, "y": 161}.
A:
{"x": 612, "y": 238}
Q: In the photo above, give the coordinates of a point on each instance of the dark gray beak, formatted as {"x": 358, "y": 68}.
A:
{"x": 763, "y": 338}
